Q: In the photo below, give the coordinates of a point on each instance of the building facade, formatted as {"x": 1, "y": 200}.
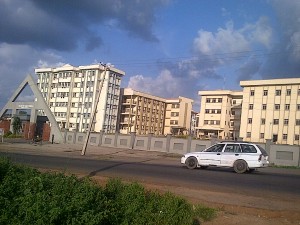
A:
{"x": 220, "y": 114}
{"x": 141, "y": 113}
{"x": 271, "y": 110}
{"x": 178, "y": 116}
{"x": 74, "y": 93}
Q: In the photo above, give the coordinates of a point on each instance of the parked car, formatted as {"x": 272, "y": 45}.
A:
{"x": 241, "y": 156}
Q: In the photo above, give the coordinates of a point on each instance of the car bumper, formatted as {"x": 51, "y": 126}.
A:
{"x": 261, "y": 164}
{"x": 183, "y": 160}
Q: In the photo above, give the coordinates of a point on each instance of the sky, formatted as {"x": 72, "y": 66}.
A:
{"x": 167, "y": 48}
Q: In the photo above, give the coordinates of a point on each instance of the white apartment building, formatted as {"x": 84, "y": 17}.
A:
{"x": 220, "y": 114}
{"x": 271, "y": 110}
{"x": 178, "y": 116}
{"x": 72, "y": 95}
{"x": 141, "y": 113}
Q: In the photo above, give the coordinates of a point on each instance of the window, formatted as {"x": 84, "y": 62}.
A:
{"x": 233, "y": 112}
{"x": 298, "y": 91}
{"x": 252, "y": 92}
{"x": 264, "y": 106}
{"x": 219, "y": 99}
{"x": 296, "y": 137}
{"x": 248, "y": 148}
{"x": 250, "y": 106}
{"x": 205, "y": 121}
{"x": 262, "y": 135}
{"x": 298, "y": 107}
{"x": 206, "y": 110}
{"x": 287, "y": 106}
{"x": 286, "y": 122}
{"x": 276, "y": 121}
{"x": 277, "y": 106}
{"x": 288, "y": 92}
{"x": 298, "y": 122}
{"x": 249, "y": 120}
{"x": 278, "y": 92}
{"x": 248, "y": 134}
{"x": 263, "y": 121}
{"x": 175, "y": 106}
{"x": 284, "y": 136}
{"x": 216, "y": 148}
{"x": 214, "y": 100}
{"x": 265, "y": 92}
{"x": 217, "y": 122}
{"x": 218, "y": 111}
{"x": 234, "y": 102}
{"x": 232, "y": 148}
{"x": 208, "y": 100}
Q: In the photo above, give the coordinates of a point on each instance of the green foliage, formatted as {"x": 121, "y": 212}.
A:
{"x": 30, "y": 197}
{"x": 17, "y": 124}
{"x": 7, "y": 134}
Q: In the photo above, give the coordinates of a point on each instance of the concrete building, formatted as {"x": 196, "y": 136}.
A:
{"x": 141, "y": 113}
{"x": 72, "y": 95}
{"x": 220, "y": 114}
{"x": 271, "y": 110}
{"x": 178, "y": 116}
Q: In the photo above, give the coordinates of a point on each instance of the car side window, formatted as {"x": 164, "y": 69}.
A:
{"x": 248, "y": 148}
{"x": 215, "y": 148}
{"x": 232, "y": 148}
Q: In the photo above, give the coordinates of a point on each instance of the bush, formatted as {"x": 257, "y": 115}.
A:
{"x": 30, "y": 197}
{"x": 8, "y": 133}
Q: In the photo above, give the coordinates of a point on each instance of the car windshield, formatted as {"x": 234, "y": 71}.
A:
{"x": 215, "y": 148}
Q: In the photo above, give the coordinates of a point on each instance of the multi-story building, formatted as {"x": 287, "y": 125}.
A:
{"x": 271, "y": 110}
{"x": 141, "y": 113}
{"x": 178, "y": 116}
{"x": 74, "y": 93}
{"x": 220, "y": 114}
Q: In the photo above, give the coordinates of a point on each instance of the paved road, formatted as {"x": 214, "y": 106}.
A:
{"x": 265, "y": 182}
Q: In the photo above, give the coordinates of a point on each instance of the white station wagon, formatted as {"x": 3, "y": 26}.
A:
{"x": 241, "y": 156}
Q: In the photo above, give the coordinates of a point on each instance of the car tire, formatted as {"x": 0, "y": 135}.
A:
{"x": 240, "y": 166}
{"x": 191, "y": 162}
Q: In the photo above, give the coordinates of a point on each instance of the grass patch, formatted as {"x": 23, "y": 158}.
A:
{"x": 28, "y": 196}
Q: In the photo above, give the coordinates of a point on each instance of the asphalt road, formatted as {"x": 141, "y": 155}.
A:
{"x": 265, "y": 182}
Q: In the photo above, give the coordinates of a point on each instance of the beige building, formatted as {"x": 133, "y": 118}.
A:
{"x": 271, "y": 110}
{"x": 220, "y": 114}
{"x": 72, "y": 95}
{"x": 141, "y": 113}
{"x": 178, "y": 116}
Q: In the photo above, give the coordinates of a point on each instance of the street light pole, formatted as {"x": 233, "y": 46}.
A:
{"x": 94, "y": 112}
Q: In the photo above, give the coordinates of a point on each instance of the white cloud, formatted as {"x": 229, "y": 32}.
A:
{"x": 16, "y": 62}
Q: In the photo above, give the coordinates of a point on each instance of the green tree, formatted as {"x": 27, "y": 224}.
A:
{"x": 17, "y": 125}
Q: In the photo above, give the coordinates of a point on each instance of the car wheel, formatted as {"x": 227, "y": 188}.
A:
{"x": 191, "y": 162}
{"x": 240, "y": 166}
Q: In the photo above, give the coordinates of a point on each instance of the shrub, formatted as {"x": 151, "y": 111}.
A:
{"x": 30, "y": 197}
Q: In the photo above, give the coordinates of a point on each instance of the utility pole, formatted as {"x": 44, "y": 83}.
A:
{"x": 94, "y": 112}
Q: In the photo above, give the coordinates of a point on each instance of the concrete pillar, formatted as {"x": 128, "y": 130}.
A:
{"x": 100, "y": 137}
{"x": 132, "y": 140}
{"x": 268, "y": 146}
{"x": 189, "y": 143}
{"x": 65, "y": 136}
{"x": 116, "y": 139}
{"x": 150, "y": 135}
{"x": 74, "y": 137}
{"x": 169, "y": 136}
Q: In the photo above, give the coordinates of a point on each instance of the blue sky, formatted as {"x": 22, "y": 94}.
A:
{"x": 168, "y": 48}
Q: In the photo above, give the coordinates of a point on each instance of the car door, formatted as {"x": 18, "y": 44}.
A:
{"x": 231, "y": 153}
{"x": 211, "y": 155}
